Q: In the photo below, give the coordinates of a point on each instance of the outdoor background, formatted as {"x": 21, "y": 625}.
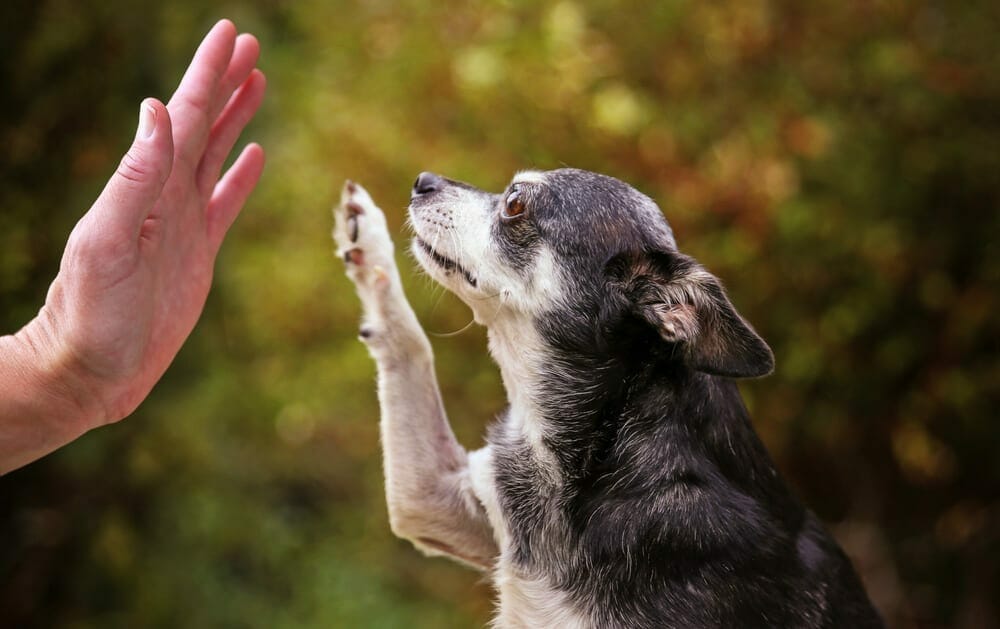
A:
{"x": 835, "y": 162}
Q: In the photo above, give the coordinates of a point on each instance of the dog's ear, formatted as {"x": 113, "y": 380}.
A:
{"x": 688, "y": 307}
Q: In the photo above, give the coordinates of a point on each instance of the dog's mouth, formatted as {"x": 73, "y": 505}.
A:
{"x": 445, "y": 262}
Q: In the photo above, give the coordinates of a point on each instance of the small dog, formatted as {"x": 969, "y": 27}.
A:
{"x": 624, "y": 486}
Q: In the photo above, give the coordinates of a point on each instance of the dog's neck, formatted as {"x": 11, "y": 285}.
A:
{"x": 554, "y": 397}
{"x": 522, "y": 357}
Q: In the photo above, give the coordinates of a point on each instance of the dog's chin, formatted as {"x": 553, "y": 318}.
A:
{"x": 441, "y": 267}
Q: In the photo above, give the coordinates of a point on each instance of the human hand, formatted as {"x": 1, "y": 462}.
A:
{"x": 138, "y": 266}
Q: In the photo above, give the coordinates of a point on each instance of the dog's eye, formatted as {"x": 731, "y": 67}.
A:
{"x": 514, "y": 206}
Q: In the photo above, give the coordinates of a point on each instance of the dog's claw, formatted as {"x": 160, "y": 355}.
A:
{"x": 363, "y": 242}
{"x": 365, "y": 332}
{"x": 352, "y": 228}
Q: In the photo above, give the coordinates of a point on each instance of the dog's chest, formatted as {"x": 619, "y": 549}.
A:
{"x": 525, "y": 600}
{"x": 529, "y": 603}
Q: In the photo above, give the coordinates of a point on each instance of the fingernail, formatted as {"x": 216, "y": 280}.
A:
{"x": 147, "y": 122}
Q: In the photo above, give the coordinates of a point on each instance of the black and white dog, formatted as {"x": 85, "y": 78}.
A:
{"x": 624, "y": 486}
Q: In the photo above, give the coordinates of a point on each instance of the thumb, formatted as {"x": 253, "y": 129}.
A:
{"x": 137, "y": 183}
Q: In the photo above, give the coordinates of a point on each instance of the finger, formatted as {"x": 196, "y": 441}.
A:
{"x": 192, "y": 103}
{"x": 246, "y": 52}
{"x": 226, "y": 130}
{"x": 232, "y": 192}
{"x": 132, "y": 191}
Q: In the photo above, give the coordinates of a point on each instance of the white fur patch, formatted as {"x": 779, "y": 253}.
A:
{"x": 518, "y": 351}
{"x": 484, "y": 486}
{"x": 533, "y": 603}
{"x": 529, "y": 176}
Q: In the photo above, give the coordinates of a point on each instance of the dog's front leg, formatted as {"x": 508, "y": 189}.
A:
{"x": 428, "y": 489}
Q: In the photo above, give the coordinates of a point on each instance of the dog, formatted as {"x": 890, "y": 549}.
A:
{"x": 624, "y": 486}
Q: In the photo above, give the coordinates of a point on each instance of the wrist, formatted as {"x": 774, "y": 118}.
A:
{"x": 50, "y": 383}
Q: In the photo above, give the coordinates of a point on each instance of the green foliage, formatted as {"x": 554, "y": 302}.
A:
{"x": 834, "y": 162}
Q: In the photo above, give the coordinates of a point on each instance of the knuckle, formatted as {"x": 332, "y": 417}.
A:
{"x": 134, "y": 168}
{"x": 198, "y": 100}
{"x": 199, "y": 109}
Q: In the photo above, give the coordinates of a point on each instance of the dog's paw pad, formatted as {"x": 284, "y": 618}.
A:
{"x": 354, "y": 256}
{"x": 362, "y": 236}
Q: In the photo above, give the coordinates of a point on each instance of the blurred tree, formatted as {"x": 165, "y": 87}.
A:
{"x": 835, "y": 162}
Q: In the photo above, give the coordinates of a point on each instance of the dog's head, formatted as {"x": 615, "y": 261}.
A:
{"x": 585, "y": 257}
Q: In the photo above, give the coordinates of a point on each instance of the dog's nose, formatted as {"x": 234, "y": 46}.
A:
{"x": 427, "y": 183}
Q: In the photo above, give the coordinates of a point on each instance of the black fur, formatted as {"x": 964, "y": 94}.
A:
{"x": 668, "y": 511}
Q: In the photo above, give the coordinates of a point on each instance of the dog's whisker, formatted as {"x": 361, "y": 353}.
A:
{"x": 445, "y": 335}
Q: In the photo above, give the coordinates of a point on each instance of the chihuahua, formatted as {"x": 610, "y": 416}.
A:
{"x": 624, "y": 486}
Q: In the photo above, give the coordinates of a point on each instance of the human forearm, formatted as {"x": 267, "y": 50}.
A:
{"x": 43, "y": 403}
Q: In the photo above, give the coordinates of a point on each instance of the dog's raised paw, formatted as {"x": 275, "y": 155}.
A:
{"x": 362, "y": 237}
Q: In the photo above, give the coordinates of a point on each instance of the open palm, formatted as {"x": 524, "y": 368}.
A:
{"x": 138, "y": 266}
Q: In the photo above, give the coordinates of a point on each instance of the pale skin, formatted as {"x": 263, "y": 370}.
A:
{"x": 138, "y": 266}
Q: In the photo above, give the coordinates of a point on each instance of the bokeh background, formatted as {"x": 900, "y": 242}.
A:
{"x": 836, "y": 162}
